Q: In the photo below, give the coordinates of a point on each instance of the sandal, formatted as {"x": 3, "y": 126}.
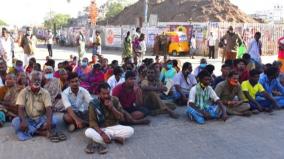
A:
{"x": 90, "y": 149}
{"x": 62, "y": 136}
{"x": 54, "y": 138}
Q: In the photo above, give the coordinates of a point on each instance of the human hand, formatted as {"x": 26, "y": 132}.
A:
{"x": 105, "y": 138}
{"x": 23, "y": 125}
{"x": 79, "y": 123}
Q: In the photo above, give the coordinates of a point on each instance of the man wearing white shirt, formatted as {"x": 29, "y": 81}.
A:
{"x": 116, "y": 78}
{"x": 6, "y": 47}
{"x": 75, "y": 100}
{"x": 254, "y": 49}
{"x": 211, "y": 45}
{"x": 183, "y": 81}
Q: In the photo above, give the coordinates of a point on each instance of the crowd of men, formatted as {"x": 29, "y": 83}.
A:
{"x": 107, "y": 98}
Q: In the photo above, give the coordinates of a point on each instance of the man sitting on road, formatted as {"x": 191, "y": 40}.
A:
{"x": 228, "y": 90}
{"x": 35, "y": 113}
{"x": 75, "y": 100}
{"x": 203, "y": 103}
{"x": 251, "y": 88}
{"x": 105, "y": 113}
{"x": 183, "y": 81}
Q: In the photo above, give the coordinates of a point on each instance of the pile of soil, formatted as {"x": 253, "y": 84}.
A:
{"x": 183, "y": 11}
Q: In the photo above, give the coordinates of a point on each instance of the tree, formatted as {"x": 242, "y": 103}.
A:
{"x": 2, "y": 23}
{"x": 114, "y": 9}
{"x": 60, "y": 20}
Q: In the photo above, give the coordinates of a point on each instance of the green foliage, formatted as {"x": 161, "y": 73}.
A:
{"x": 60, "y": 20}
{"x": 114, "y": 9}
{"x": 2, "y": 23}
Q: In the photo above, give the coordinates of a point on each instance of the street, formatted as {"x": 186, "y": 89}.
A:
{"x": 260, "y": 136}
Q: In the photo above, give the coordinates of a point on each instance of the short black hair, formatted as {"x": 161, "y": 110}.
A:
{"x": 254, "y": 72}
{"x": 103, "y": 86}
{"x": 203, "y": 74}
{"x": 72, "y": 75}
{"x": 239, "y": 61}
{"x": 186, "y": 65}
{"x": 210, "y": 68}
{"x": 246, "y": 56}
{"x": 50, "y": 62}
{"x": 232, "y": 73}
{"x": 229, "y": 62}
{"x": 226, "y": 65}
{"x": 175, "y": 62}
{"x": 257, "y": 33}
{"x": 129, "y": 74}
{"x": 97, "y": 66}
{"x": 272, "y": 71}
{"x": 117, "y": 70}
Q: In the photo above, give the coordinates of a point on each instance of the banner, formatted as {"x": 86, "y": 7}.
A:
{"x": 113, "y": 37}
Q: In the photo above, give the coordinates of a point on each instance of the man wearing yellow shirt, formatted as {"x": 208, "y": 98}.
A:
{"x": 252, "y": 88}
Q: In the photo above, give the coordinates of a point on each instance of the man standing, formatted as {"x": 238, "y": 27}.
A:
{"x": 233, "y": 40}
{"x": 164, "y": 44}
{"x": 6, "y": 47}
{"x": 254, "y": 49}
{"x": 81, "y": 45}
{"x": 183, "y": 81}
{"x": 193, "y": 47}
{"x": 228, "y": 90}
{"x": 49, "y": 40}
{"x": 35, "y": 113}
{"x": 28, "y": 43}
{"x": 211, "y": 45}
{"x": 105, "y": 113}
{"x": 75, "y": 100}
{"x": 97, "y": 44}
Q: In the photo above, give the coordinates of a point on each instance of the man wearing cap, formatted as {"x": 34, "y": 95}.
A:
{"x": 28, "y": 43}
{"x": 233, "y": 40}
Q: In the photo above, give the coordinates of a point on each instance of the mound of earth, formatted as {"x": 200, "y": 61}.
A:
{"x": 183, "y": 11}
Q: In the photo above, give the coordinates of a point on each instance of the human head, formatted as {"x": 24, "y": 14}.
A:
{"x": 157, "y": 59}
{"x": 169, "y": 64}
{"x": 51, "y": 63}
{"x": 130, "y": 78}
{"x": 138, "y": 30}
{"x": 32, "y": 61}
{"x": 98, "y": 33}
{"x": 35, "y": 79}
{"x": 37, "y": 67}
{"x": 230, "y": 63}
{"x": 205, "y": 78}
{"x": 277, "y": 64}
{"x": 4, "y": 32}
{"x": 22, "y": 78}
{"x": 96, "y": 68}
{"x": 151, "y": 74}
{"x": 254, "y": 76}
{"x": 114, "y": 63}
{"x": 19, "y": 66}
{"x": 48, "y": 73}
{"x": 233, "y": 78}
{"x": 231, "y": 29}
{"x": 104, "y": 91}
{"x": 186, "y": 68}
{"x": 241, "y": 65}
{"x": 246, "y": 58}
{"x": 117, "y": 71}
{"x": 210, "y": 68}
{"x": 266, "y": 67}
{"x": 203, "y": 63}
{"x": 85, "y": 62}
{"x": 272, "y": 73}
{"x": 128, "y": 34}
{"x": 225, "y": 70}
{"x": 63, "y": 75}
{"x": 104, "y": 62}
{"x": 175, "y": 63}
{"x": 3, "y": 66}
{"x": 10, "y": 80}
{"x": 142, "y": 70}
{"x": 142, "y": 37}
{"x": 29, "y": 31}
{"x": 257, "y": 36}
{"x": 73, "y": 80}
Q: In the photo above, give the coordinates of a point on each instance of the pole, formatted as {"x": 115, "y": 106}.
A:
{"x": 146, "y": 12}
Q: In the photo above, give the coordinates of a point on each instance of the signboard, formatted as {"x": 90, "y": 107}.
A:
{"x": 113, "y": 37}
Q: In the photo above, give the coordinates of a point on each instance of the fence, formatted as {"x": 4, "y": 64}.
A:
{"x": 112, "y": 36}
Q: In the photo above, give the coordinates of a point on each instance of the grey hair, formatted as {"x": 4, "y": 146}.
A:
{"x": 35, "y": 73}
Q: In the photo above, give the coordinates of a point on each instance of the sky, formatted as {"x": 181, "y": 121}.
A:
{"x": 33, "y": 12}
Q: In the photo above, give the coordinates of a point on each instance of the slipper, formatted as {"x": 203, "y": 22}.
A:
{"x": 62, "y": 136}
{"x": 90, "y": 149}
{"x": 54, "y": 138}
